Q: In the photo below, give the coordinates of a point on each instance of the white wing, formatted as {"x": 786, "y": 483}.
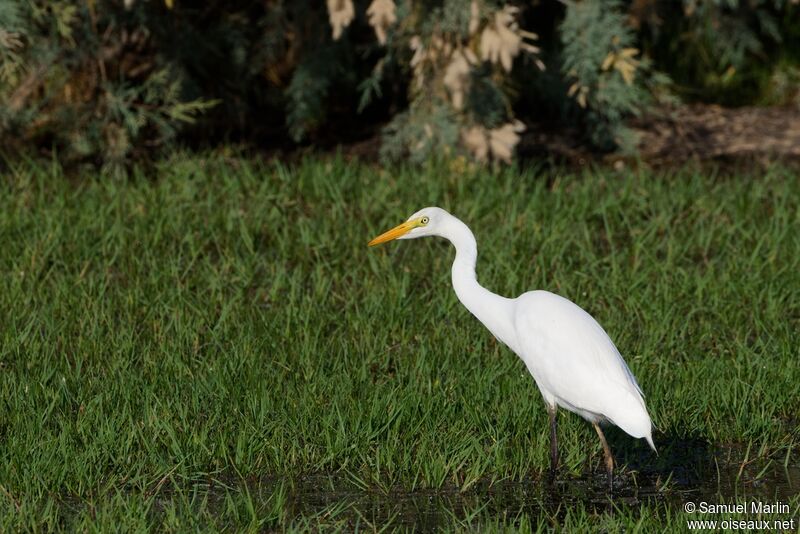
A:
{"x": 576, "y": 365}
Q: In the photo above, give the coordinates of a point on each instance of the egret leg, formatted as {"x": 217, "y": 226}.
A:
{"x": 553, "y": 411}
{"x": 609, "y": 457}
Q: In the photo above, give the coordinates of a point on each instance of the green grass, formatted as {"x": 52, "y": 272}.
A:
{"x": 225, "y": 321}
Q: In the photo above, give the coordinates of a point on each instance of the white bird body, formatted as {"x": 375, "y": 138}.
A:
{"x": 573, "y": 361}
{"x": 590, "y": 377}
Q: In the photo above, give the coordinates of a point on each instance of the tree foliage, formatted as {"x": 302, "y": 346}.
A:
{"x": 106, "y": 81}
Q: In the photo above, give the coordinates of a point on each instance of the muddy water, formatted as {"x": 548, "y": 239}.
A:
{"x": 685, "y": 470}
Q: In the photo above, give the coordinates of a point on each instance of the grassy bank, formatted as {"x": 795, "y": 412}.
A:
{"x": 170, "y": 346}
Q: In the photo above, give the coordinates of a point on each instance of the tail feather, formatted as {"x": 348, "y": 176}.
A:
{"x": 649, "y": 438}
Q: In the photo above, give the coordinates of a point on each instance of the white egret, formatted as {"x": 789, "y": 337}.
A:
{"x": 573, "y": 361}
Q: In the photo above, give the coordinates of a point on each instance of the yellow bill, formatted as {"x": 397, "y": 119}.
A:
{"x": 394, "y": 233}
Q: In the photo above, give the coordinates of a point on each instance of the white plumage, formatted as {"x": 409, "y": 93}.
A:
{"x": 575, "y": 364}
{"x": 573, "y": 361}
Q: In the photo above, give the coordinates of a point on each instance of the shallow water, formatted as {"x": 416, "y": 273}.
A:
{"x": 685, "y": 470}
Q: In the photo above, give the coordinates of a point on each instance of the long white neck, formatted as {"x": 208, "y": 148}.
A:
{"x": 494, "y": 311}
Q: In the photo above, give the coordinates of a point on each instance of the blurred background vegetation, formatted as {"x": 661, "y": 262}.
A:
{"x": 113, "y": 82}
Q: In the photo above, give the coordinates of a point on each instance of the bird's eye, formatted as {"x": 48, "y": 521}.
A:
{"x": 424, "y": 220}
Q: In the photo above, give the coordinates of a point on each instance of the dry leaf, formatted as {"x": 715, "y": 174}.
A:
{"x": 580, "y": 93}
{"x": 381, "y": 15}
{"x": 10, "y": 40}
{"x": 499, "y": 44}
{"x": 503, "y": 140}
{"x": 623, "y": 61}
{"x": 341, "y": 14}
{"x": 501, "y": 40}
{"x": 573, "y": 89}
{"x": 582, "y": 97}
{"x": 474, "y": 17}
{"x": 456, "y": 75}
{"x": 499, "y": 142}
{"x": 419, "y": 50}
{"x": 608, "y": 61}
{"x": 440, "y": 45}
{"x": 475, "y": 140}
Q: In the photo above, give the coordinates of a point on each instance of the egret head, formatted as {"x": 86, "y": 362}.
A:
{"x": 425, "y": 222}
